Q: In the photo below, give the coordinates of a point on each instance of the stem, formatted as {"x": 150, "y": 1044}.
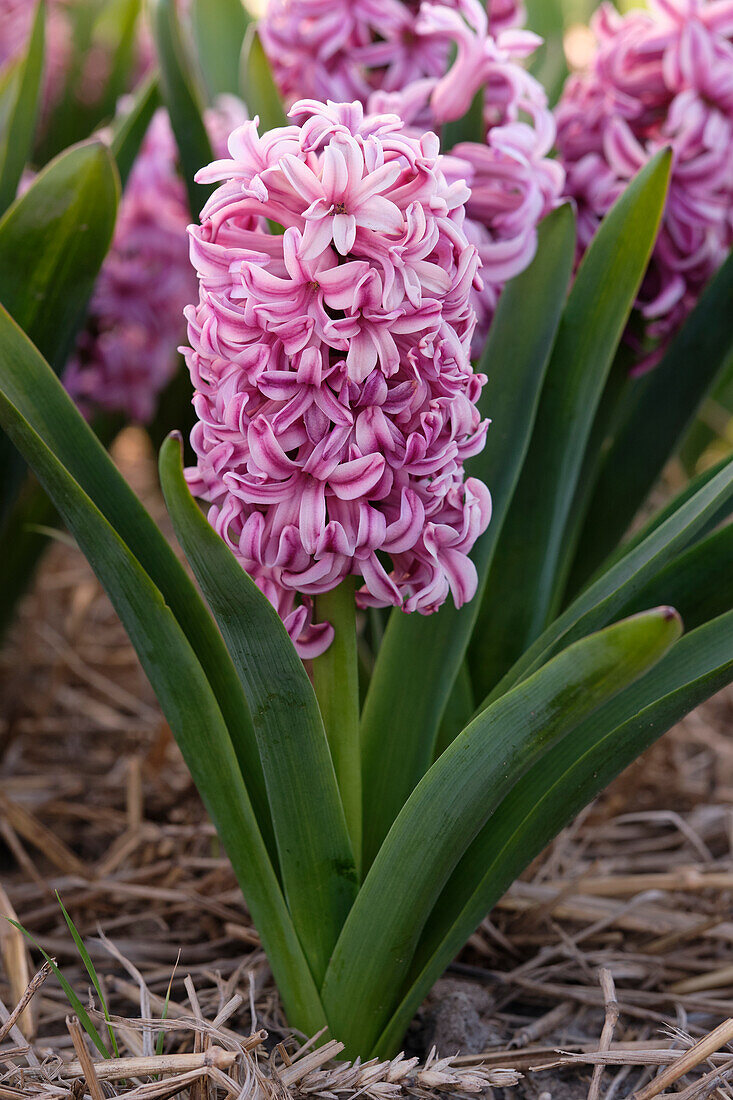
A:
{"x": 336, "y": 683}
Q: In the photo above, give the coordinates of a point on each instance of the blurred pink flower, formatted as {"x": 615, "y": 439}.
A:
{"x": 658, "y": 78}
{"x": 16, "y": 20}
{"x": 347, "y": 49}
{"x": 126, "y": 353}
{"x": 513, "y": 180}
{"x": 334, "y": 391}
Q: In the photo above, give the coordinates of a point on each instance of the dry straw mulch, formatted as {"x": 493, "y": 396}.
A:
{"x": 607, "y": 971}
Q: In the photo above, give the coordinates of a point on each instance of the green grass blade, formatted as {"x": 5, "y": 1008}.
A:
{"x": 528, "y": 572}
{"x": 31, "y": 386}
{"x": 258, "y": 87}
{"x": 553, "y": 791}
{"x": 664, "y": 405}
{"x": 316, "y": 857}
{"x": 618, "y": 586}
{"x": 16, "y": 138}
{"x": 452, "y": 803}
{"x": 189, "y": 705}
{"x": 71, "y": 996}
{"x": 419, "y": 657}
{"x": 182, "y": 96}
{"x": 219, "y": 27}
{"x": 91, "y": 971}
{"x": 130, "y": 129}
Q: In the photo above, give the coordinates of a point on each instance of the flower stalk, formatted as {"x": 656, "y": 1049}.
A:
{"x": 336, "y": 684}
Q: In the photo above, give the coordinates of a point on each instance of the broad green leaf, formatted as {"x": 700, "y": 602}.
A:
{"x": 419, "y": 657}
{"x": 258, "y": 87}
{"x": 528, "y": 572}
{"x": 189, "y": 705}
{"x": 316, "y": 858}
{"x": 459, "y": 710}
{"x": 618, "y": 586}
{"x": 699, "y": 583}
{"x": 668, "y": 509}
{"x": 662, "y": 406}
{"x": 547, "y": 798}
{"x": 183, "y": 99}
{"x": 452, "y": 803}
{"x": 23, "y": 94}
{"x": 115, "y": 33}
{"x": 219, "y": 27}
{"x": 53, "y": 240}
{"x": 30, "y": 384}
{"x": 131, "y": 127}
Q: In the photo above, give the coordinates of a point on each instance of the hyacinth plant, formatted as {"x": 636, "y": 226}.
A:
{"x": 386, "y": 688}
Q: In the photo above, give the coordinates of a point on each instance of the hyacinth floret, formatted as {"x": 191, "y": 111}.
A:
{"x": 125, "y": 355}
{"x": 334, "y": 392}
{"x": 662, "y": 77}
{"x": 348, "y": 49}
{"x": 513, "y": 179}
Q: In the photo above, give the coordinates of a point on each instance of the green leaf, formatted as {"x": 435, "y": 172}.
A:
{"x": 452, "y": 803}
{"x": 183, "y": 98}
{"x": 219, "y": 27}
{"x": 547, "y": 798}
{"x": 115, "y": 32}
{"x": 131, "y": 127}
{"x": 189, "y": 705}
{"x": 23, "y": 538}
{"x": 699, "y": 583}
{"x": 528, "y": 572}
{"x": 53, "y": 240}
{"x": 316, "y": 858}
{"x": 618, "y": 586}
{"x": 662, "y": 406}
{"x": 71, "y": 996}
{"x": 91, "y": 971}
{"x": 23, "y": 94}
{"x": 31, "y": 386}
{"x": 258, "y": 87}
{"x": 419, "y": 657}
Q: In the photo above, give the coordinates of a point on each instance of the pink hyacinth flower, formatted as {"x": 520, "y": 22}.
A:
{"x": 335, "y": 397}
{"x": 126, "y": 355}
{"x": 513, "y": 180}
{"x": 347, "y": 49}
{"x": 658, "y": 78}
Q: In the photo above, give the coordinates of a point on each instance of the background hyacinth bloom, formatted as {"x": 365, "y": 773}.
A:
{"x": 662, "y": 77}
{"x": 126, "y": 354}
{"x": 334, "y": 390}
{"x": 16, "y": 19}
{"x": 514, "y": 182}
{"x": 347, "y": 49}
